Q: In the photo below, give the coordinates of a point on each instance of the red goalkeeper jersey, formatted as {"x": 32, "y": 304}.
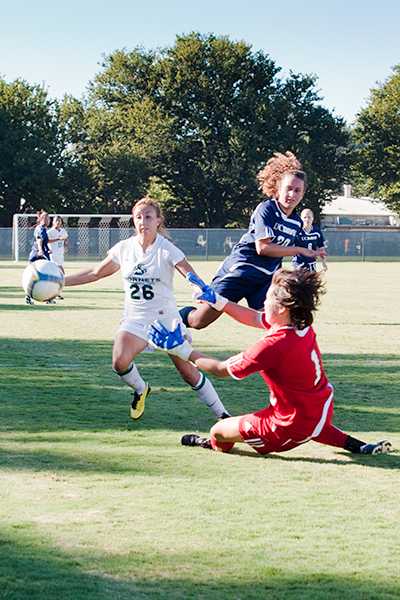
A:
{"x": 289, "y": 361}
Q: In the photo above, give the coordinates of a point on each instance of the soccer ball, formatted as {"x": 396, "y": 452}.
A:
{"x": 42, "y": 280}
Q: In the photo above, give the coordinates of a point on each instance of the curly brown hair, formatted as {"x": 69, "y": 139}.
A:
{"x": 299, "y": 291}
{"x": 145, "y": 202}
{"x": 270, "y": 176}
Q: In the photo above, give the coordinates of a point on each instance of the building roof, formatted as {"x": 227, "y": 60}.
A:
{"x": 368, "y": 207}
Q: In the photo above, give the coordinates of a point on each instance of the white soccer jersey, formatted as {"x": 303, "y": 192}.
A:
{"x": 147, "y": 276}
{"x": 57, "y": 248}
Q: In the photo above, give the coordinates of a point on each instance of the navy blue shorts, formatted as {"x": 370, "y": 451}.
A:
{"x": 244, "y": 281}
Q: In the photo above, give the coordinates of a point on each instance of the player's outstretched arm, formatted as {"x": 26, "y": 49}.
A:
{"x": 104, "y": 269}
{"x": 210, "y": 365}
{"x": 268, "y": 248}
{"x": 184, "y": 267}
{"x": 242, "y": 314}
{"x": 205, "y": 293}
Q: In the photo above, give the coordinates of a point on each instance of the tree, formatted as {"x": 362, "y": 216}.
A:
{"x": 225, "y": 113}
{"x": 30, "y": 149}
{"x": 109, "y": 151}
{"x": 320, "y": 139}
{"x": 377, "y": 143}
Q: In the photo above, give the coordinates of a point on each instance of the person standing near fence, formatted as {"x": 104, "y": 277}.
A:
{"x": 147, "y": 262}
{"x": 58, "y": 241}
{"x": 310, "y": 237}
{"x": 247, "y": 272}
{"x": 40, "y": 247}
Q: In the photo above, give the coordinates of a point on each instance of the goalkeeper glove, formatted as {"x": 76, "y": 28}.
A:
{"x": 172, "y": 341}
{"x": 207, "y": 294}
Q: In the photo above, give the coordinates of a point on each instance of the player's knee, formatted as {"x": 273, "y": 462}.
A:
{"x": 217, "y": 432}
{"x": 120, "y": 364}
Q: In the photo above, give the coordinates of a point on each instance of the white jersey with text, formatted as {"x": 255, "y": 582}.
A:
{"x": 147, "y": 276}
{"x": 57, "y": 248}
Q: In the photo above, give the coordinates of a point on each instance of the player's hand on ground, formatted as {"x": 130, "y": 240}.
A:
{"x": 206, "y": 294}
{"x": 171, "y": 341}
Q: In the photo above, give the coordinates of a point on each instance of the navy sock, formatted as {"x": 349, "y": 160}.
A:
{"x": 184, "y": 312}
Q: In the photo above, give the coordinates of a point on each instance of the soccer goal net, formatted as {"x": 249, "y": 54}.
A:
{"x": 89, "y": 236}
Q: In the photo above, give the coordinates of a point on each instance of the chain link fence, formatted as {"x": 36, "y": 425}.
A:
{"x": 212, "y": 244}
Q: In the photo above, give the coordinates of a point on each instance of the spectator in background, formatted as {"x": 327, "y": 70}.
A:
{"x": 309, "y": 237}
{"x": 58, "y": 239}
{"x": 40, "y": 247}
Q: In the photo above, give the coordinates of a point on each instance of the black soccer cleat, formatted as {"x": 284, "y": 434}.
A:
{"x": 225, "y": 415}
{"x": 191, "y": 439}
{"x": 383, "y": 447}
{"x": 28, "y": 300}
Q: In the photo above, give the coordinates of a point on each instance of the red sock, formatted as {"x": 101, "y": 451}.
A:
{"x": 332, "y": 436}
{"x": 221, "y": 446}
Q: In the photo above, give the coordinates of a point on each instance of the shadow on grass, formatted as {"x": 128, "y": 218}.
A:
{"x": 40, "y": 307}
{"x": 69, "y": 385}
{"x": 130, "y": 462}
{"x": 32, "y": 569}
{"x": 387, "y": 461}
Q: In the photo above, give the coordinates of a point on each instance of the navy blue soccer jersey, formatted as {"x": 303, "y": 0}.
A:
{"x": 40, "y": 233}
{"x": 246, "y": 274}
{"x": 267, "y": 222}
{"x": 313, "y": 240}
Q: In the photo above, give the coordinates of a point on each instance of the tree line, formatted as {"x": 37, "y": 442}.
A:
{"x": 191, "y": 125}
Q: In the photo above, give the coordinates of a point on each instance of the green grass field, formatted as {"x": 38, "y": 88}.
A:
{"x": 95, "y": 506}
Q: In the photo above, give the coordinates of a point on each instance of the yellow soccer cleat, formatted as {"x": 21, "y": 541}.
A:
{"x": 138, "y": 401}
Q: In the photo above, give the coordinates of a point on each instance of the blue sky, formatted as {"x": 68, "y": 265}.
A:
{"x": 350, "y": 45}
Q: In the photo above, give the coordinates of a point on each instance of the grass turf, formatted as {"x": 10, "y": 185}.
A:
{"x": 95, "y": 506}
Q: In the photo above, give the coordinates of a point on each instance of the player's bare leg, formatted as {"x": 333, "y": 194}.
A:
{"x": 200, "y": 317}
{"x": 223, "y": 436}
{"x": 126, "y": 347}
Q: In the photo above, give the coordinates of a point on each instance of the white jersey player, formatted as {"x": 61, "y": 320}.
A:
{"x": 57, "y": 238}
{"x": 148, "y": 282}
{"x": 147, "y": 263}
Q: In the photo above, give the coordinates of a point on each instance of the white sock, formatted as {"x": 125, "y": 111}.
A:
{"x": 207, "y": 394}
{"x": 132, "y": 378}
